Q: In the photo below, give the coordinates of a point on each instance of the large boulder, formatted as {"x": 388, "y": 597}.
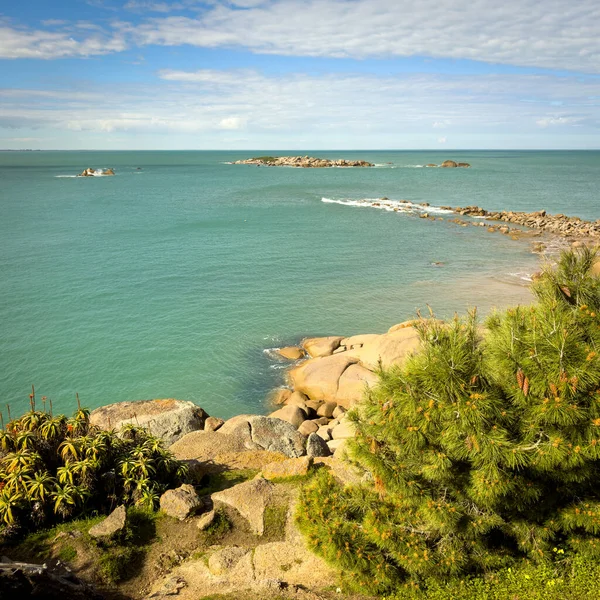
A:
{"x": 250, "y": 499}
{"x": 352, "y": 385}
{"x": 111, "y": 526}
{"x": 323, "y": 346}
{"x": 318, "y": 377}
{"x": 291, "y": 413}
{"x": 316, "y": 446}
{"x": 206, "y": 445}
{"x": 180, "y": 503}
{"x": 168, "y": 419}
{"x": 389, "y": 348}
{"x": 291, "y": 352}
{"x": 265, "y": 433}
{"x": 449, "y": 164}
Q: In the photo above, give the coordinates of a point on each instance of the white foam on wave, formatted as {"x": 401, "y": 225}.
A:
{"x": 66, "y": 176}
{"x": 522, "y": 276}
{"x": 403, "y": 206}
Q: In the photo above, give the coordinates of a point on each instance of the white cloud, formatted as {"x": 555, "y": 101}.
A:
{"x": 552, "y": 121}
{"x": 16, "y": 43}
{"x": 557, "y": 35}
{"x": 441, "y": 140}
{"x": 232, "y": 123}
{"x": 303, "y": 110}
{"x": 524, "y": 32}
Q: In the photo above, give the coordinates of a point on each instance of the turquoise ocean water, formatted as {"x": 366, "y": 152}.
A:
{"x": 173, "y": 280}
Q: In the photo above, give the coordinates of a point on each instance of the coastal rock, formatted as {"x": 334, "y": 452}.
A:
{"x": 250, "y": 499}
{"x": 293, "y": 467}
{"x": 181, "y": 502}
{"x": 298, "y": 399}
{"x": 167, "y": 419}
{"x": 537, "y": 222}
{"x": 339, "y": 412}
{"x": 326, "y": 409}
{"x": 358, "y": 341}
{"x": 346, "y": 429}
{"x": 113, "y": 524}
{"x": 291, "y": 352}
{"x": 265, "y": 433}
{"x": 324, "y": 346}
{"x": 280, "y": 396}
{"x": 213, "y": 423}
{"x": 318, "y": 377}
{"x": 308, "y": 427}
{"x": 206, "y": 446}
{"x": 352, "y": 385}
{"x": 448, "y": 164}
{"x": 316, "y": 446}
{"x": 292, "y": 414}
{"x": 389, "y": 348}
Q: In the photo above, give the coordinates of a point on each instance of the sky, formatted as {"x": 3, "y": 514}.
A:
{"x": 299, "y": 74}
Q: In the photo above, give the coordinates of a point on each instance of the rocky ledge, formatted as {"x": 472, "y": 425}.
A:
{"x": 301, "y": 161}
{"x": 558, "y": 224}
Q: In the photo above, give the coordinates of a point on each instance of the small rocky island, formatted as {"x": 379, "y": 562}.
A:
{"x": 301, "y": 161}
{"x": 89, "y": 172}
{"x": 450, "y": 164}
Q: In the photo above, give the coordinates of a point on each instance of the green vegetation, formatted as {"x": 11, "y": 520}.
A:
{"x": 217, "y": 482}
{"x": 53, "y": 469}
{"x": 483, "y": 449}
{"x": 576, "y": 580}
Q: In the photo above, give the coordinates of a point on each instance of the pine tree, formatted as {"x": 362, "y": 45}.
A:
{"x": 482, "y": 449}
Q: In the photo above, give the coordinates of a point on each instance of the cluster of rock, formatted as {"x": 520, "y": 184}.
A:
{"x": 268, "y": 567}
{"x": 557, "y": 224}
{"x": 302, "y": 161}
{"x": 338, "y": 368}
{"x": 89, "y": 172}
{"x": 450, "y": 164}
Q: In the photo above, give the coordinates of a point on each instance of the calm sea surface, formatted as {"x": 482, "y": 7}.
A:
{"x": 173, "y": 280}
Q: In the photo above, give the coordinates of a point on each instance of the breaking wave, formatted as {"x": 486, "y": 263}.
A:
{"x": 403, "y": 206}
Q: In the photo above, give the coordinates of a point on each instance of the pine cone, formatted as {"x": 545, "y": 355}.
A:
{"x": 520, "y": 378}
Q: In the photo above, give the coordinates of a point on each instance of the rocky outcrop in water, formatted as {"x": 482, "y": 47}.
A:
{"x": 560, "y": 224}
{"x": 450, "y": 164}
{"x": 302, "y": 162}
{"x": 89, "y": 172}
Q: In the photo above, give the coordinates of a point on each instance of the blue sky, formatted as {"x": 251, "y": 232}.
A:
{"x": 295, "y": 74}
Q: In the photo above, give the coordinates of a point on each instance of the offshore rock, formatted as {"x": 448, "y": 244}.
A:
{"x": 301, "y": 162}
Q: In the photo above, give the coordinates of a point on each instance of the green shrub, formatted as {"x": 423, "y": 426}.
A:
{"x": 53, "y": 469}
{"x": 483, "y": 450}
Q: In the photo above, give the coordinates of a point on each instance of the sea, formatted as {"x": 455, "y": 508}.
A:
{"x": 178, "y": 276}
